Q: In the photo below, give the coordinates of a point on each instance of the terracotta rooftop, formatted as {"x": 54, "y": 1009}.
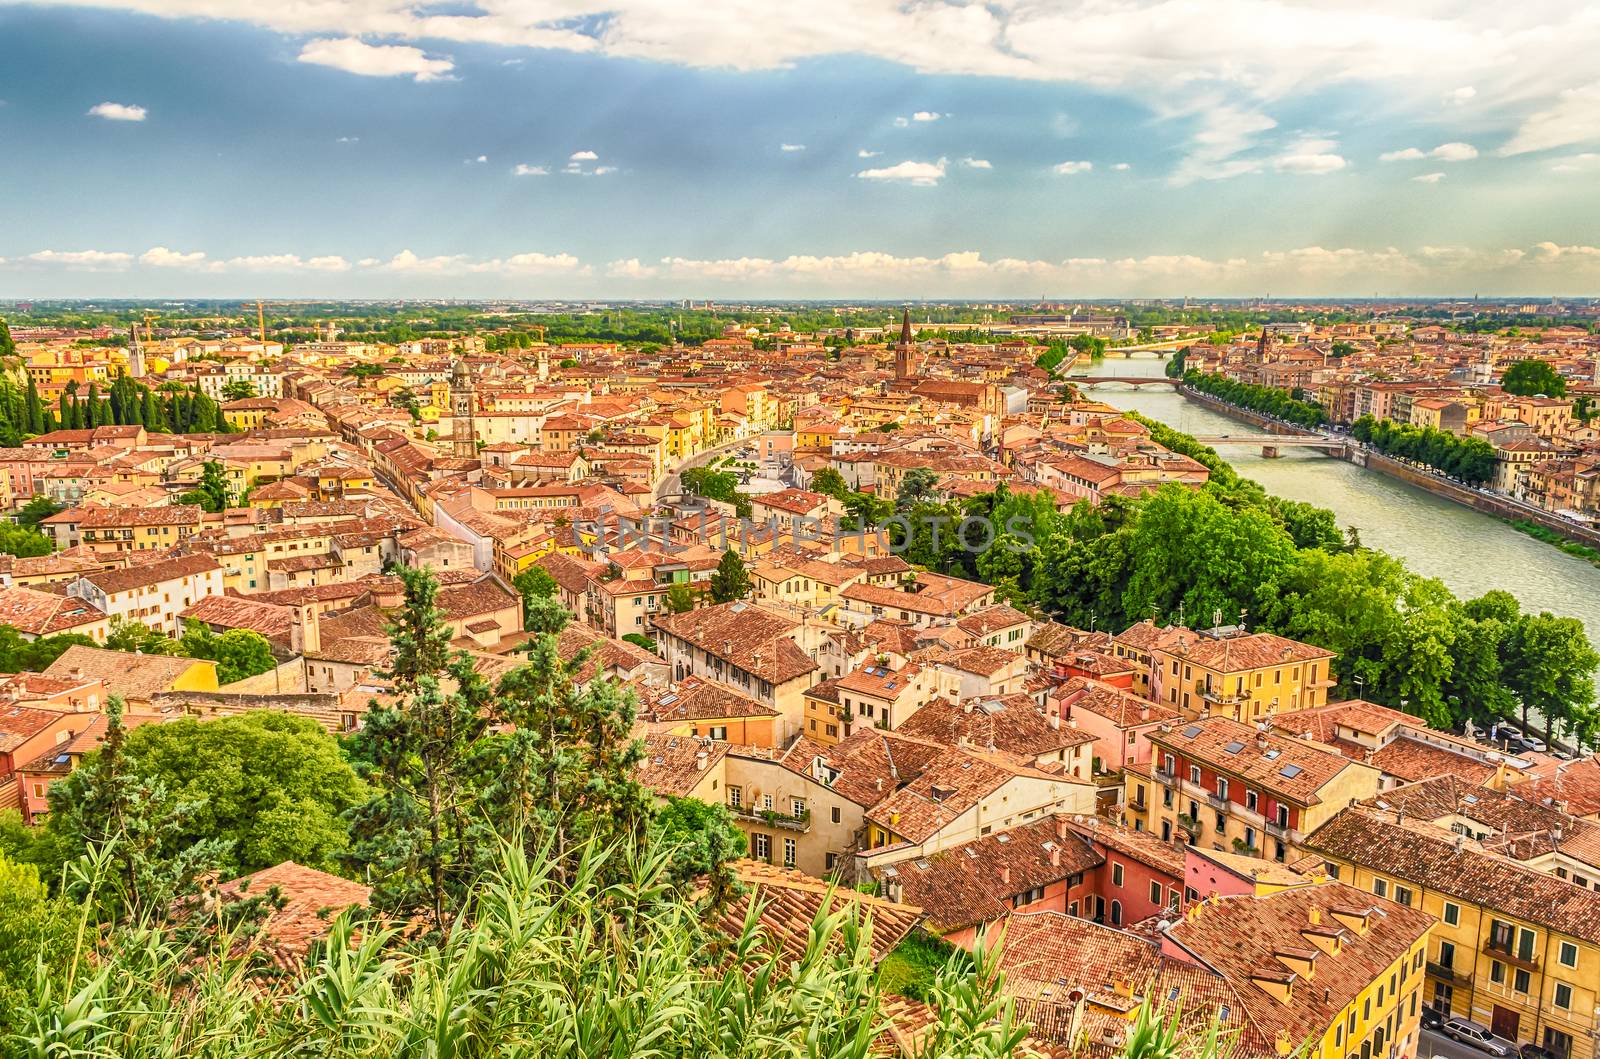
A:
{"x": 788, "y": 902}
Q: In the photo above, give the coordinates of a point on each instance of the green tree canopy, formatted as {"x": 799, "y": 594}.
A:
{"x": 1529, "y": 377}
{"x": 730, "y": 581}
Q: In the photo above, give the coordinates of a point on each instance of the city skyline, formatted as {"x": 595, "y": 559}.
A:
{"x": 172, "y": 148}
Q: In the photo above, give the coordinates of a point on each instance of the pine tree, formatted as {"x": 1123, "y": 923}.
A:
{"x": 731, "y": 581}
{"x": 35, "y": 408}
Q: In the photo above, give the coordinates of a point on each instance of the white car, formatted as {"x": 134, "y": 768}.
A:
{"x": 1480, "y": 1037}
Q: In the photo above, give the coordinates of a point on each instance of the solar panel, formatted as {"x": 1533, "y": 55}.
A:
{"x": 1191, "y": 732}
{"x": 1233, "y": 747}
{"x": 1289, "y": 772}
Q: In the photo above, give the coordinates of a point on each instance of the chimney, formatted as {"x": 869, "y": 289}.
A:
{"x": 1055, "y": 720}
{"x": 1144, "y": 713}
{"x": 701, "y": 759}
{"x": 1061, "y": 827}
{"x": 305, "y": 630}
{"x": 1316, "y": 916}
{"x": 1055, "y": 857}
{"x": 1005, "y": 875}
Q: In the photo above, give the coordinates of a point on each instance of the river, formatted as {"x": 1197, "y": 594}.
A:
{"x": 1470, "y": 552}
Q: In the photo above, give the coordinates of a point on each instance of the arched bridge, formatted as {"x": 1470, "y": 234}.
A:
{"x": 1129, "y": 380}
{"x": 1271, "y": 443}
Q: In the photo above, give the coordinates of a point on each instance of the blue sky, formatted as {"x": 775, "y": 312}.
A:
{"x": 644, "y": 148}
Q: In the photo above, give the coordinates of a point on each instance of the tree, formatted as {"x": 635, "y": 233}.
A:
{"x": 414, "y": 839}
{"x": 239, "y": 653}
{"x": 916, "y": 486}
{"x": 19, "y": 540}
{"x": 730, "y": 581}
{"x": 129, "y": 825}
{"x": 8, "y": 348}
{"x": 703, "y": 839}
{"x": 271, "y": 786}
{"x": 36, "y": 510}
{"x": 213, "y": 492}
{"x": 34, "y": 407}
{"x": 536, "y": 586}
{"x": 239, "y": 390}
{"x": 830, "y": 482}
{"x": 1550, "y": 668}
{"x": 35, "y": 929}
{"x": 680, "y": 599}
{"x": 1584, "y": 409}
{"x": 18, "y": 655}
{"x": 131, "y": 635}
{"x": 1527, "y": 378}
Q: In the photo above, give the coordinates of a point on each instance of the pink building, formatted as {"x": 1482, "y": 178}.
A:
{"x": 1120, "y": 720}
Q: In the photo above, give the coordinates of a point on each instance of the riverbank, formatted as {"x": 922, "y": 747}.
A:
{"x": 1555, "y": 540}
{"x": 1583, "y": 538}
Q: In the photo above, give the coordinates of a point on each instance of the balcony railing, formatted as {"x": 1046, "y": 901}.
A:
{"x": 773, "y": 818}
{"x": 1504, "y": 952}
{"x": 1164, "y": 778}
{"x": 1276, "y": 830}
{"x": 1218, "y": 802}
{"x": 1189, "y": 824}
{"x": 1439, "y": 970}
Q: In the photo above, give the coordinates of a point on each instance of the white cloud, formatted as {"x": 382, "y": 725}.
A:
{"x": 790, "y": 148}
{"x": 1223, "y": 133}
{"x": 1577, "y": 163}
{"x": 902, "y": 123}
{"x": 1574, "y": 118}
{"x": 977, "y": 163}
{"x": 161, "y": 257}
{"x": 1122, "y": 167}
{"x": 356, "y": 56}
{"x": 919, "y": 174}
{"x": 1310, "y": 156}
{"x": 582, "y": 156}
{"x": 1461, "y": 96}
{"x": 926, "y": 115}
{"x": 602, "y": 170}
{"x": 864, "y": 153}
{"x": 479, "y": 160}
{"x": 349, "y": 139}
{"x": 1454, "y": 152}
{"x": 1428, "y": 178}
{"x": 631, "y": 268}
{"x": 286, "y": 263}
{"x": 118, "y": 111}
{"x": 90, "y": 260}
{"x": 460, "y": 264}
{"x": 1071, "y": 168}
{"x": 524, "y": 169}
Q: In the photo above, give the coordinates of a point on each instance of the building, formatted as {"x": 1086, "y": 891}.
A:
{"x": 1246, "y": 676}
{"x": 1242, "y": 788}
{"x": 1515, "y": 949}
{"x": 153, "y": 594}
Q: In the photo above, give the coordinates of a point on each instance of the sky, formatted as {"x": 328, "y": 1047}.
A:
{"x": 799, "y": 149}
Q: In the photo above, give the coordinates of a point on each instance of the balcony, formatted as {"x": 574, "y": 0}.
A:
{"x": 772, "y": 818}
{"x": 1166, "y": 779}
{"x": 1218, "y": 802}
{"x": 1189, "y": 824}
{"x": 1211, "y": 693}
{"x": 1277, "y": 830}
{"x": 1439, "y": 970}
{"x": 1509, "y": 955}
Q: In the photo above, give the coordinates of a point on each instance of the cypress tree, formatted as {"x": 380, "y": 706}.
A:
{"x": 35, "y": 408}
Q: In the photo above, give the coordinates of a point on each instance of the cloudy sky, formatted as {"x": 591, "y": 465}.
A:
{"x": 799, "y": 148}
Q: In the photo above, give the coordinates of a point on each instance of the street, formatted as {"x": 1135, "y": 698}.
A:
{"x": 1432, "y": 1043}
{"x": 669, "y": 483}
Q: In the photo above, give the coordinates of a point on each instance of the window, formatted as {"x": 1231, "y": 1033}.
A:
{"x": 1116, "y": 913}
{"x": 1567, "y": 954}
{"x": 762, "y": 845}
{"x": 1250, "y": 798}
{"x": 828, "y": 861}
{"x": 735, "y": 797}
{"x": 798, "y": 805}
{"x": 1521, "y": 980}
{"x": 1155, "y": 893}
{"x": 1563, "y": 995}
{"x": 789, "y": 851}
{"x": 836, "y": 814}
{"x": 1402, "y": 895}
{"x": 1166, "y": 830}
{"x": 1167, "y": 765}
{"x": 1497, "y": 972}
{"x": 1452, "y": 914}
{"x": 719, "y": 732}
{"x": 1222, "y": 787}
{"x": 1380, "y": 887}
{"x": 1116, "y": 874}
{"x": 1194, "y": 774}
{"x": 1447, "y": 955}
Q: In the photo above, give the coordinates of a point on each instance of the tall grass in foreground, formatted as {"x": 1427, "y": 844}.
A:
{"x": 582, "y": 971}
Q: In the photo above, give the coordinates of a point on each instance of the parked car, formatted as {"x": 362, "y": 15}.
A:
{"x": 1432, "y": 1018}
{"x": 1533, "y": 1051}
{"x": 1480, "y": 1037}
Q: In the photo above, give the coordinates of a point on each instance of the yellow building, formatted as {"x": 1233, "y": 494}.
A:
{"x": 1514, "y": 949}
{"x": 1246, "y": 676}
{"x": 108, "y": 530}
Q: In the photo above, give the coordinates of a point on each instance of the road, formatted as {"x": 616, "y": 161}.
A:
{"x": 1433, "y": 1044}
{"x": 669, "y": 483}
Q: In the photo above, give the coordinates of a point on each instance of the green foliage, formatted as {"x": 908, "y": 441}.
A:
{"x": 730, "y": 581}
{"x": 716, "y": 485}
{"x": 213, "y": 492}
{"x": 1584, "y": 409}
{"x": 1528, "y": 378}
{"x": 680, "y": 599}
{"x": 131, "y": 635}
{"x": 8, "y": 348}
{"x": 916, "y": 487}
{"x": 239, "y": 653}
{"x": 20, "y": 540}
{"x": 271, "y": 786}
{"x": 537, "y": 588}
{"x": 704, "y": 838}
{"x": 36, "y": 510}
{"x": 639, "y": 639}
{"x": 830, "y": 482}
{"x": 239, "y": 390}
{"x": 1267, "y": 400}
{"x": 1471, "y": 460}
{"x": 32, "y": 656}
{"x": 35, "y": 930}
{"x": 913, "y": 967}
